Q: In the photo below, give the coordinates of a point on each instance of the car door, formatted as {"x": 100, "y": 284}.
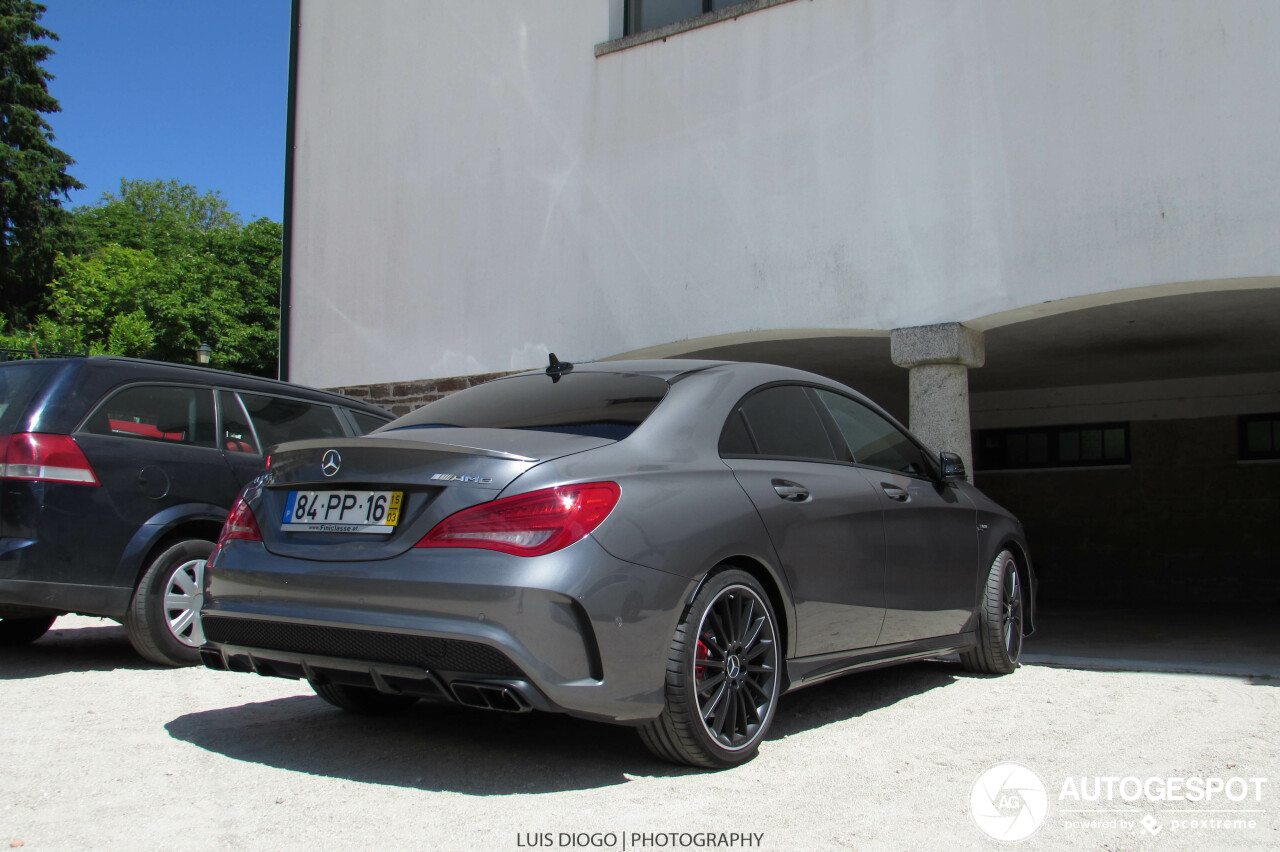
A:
{"x": 930, "y": 527}
{"x": 152, "y": 447}
{"x": 823, "y": 517}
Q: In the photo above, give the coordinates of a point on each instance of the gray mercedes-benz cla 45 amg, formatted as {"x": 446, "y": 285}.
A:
{"x": 665, "y": 544}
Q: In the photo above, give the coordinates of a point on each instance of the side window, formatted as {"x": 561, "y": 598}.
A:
{"x": 735, "y": 440}
{"x": 236, "y": 436}
{"x": 181, "y": 415}
{"x": 783, "y": 424}
{"x": 873, "y": 440}
{"x": 366, "y": 423}
{"x": 278, "y": 419}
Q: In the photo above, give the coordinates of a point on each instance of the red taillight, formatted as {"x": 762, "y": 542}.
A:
{"x": 528, "y": 524}
{"x": 240, "y": 524}
{"x": 45, "y": 458}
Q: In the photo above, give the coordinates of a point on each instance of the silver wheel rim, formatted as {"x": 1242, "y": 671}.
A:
{"x": 183, "y": 597}
{"x": 1011, "y": 611}
{"x": 735, "y": 669}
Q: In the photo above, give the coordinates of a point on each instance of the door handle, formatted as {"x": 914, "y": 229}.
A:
{"x": 895, "y": 493}
{"x": 788, "y": 490}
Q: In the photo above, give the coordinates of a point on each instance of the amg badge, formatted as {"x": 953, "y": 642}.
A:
{"x": 460, "y": 477}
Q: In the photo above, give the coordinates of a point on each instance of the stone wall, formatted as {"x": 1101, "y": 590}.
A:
{"x": 402, "y": 397}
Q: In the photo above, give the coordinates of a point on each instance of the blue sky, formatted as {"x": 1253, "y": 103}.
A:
{"x": 190, "y": 90}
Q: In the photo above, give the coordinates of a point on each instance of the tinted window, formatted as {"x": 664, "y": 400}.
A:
{"x": 644, "y": 15}
{"x": 604, "y": 405}
{"x": 236, "y": 436}
{"x": 18, "y": 384}
{"x": 366, "y": 423}
{"x": 1080, "y": 445}
{"x": 157, "y": 413}
{"x": 784, "y": 424}
{"x": 277, "y": 419}
{"x": 873, "y": 440}
{"x": 735, "y": 440}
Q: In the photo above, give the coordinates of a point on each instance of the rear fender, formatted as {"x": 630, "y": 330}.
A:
{"x": 203, "y": 516}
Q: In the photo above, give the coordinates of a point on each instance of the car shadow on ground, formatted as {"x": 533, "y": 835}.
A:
{"x": 80, "y": 649}
{"x": 476, "y": 752}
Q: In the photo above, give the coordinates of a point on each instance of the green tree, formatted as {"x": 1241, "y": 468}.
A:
{"x": 33, "y": 173}
{"x": 159, "y": 269}
{"x": 155, "y": 215}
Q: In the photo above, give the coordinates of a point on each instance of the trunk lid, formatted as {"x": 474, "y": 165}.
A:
{"x": 438, "y": 471}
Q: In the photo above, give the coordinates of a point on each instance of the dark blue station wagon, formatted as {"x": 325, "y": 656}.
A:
{"x": 116, "y": 475}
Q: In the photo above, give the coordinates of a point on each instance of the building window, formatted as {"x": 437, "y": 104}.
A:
{"x": 643, "y": 15}
{"x": 1039, "y": 447}
{"x": 1259, "y": 436}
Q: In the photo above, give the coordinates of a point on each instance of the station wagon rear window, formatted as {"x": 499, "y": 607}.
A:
{"x": 18, "y": 384}
{"x": 601, "y": 405}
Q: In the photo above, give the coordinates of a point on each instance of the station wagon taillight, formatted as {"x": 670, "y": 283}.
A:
{"x": 240, "y": 524}
{"x": 532, "y": 524}
{"x": 40, "y": 457}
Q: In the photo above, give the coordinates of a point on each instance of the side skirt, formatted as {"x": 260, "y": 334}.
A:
{"x": 806, "y": 671}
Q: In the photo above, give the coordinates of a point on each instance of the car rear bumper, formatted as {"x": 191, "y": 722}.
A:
{"x": 36, "y": 597}
{"x": 577, "y": 631}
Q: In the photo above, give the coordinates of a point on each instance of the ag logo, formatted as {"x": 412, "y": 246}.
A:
{"x": 1009, "y": 802}
{"x": 330, "y": 463}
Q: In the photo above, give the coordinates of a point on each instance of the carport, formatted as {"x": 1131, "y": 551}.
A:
{"x": 1137, "y": 435}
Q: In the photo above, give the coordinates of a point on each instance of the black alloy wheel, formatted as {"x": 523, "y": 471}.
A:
{"x": 999, "y": 620}
{"x": 722, "y": 677}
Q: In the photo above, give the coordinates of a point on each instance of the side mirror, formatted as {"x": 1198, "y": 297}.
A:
{"x": 952, "y": 467}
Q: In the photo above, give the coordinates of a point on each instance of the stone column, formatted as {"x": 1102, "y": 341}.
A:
{"x": 939, "y": 357}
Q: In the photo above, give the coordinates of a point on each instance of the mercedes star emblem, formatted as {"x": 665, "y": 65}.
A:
{"x": 330, "y": 463}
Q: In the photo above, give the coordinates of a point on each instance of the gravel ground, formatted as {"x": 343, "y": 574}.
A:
{"x": 98, "y": 750}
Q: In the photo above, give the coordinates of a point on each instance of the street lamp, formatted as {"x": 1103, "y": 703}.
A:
{"x": 203, "y": 353}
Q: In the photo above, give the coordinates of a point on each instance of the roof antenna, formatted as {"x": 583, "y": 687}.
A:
{"x": 557, "y": 368}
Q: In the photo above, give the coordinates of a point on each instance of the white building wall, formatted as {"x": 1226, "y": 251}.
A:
{"x": 474, "y": 187}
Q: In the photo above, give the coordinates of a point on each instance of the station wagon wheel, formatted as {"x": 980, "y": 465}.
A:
{"x": 163, "y": 621}
{"x": 722, "y": 680}
{"x": 999, "y": 620}
{"x": 23, "y": 631}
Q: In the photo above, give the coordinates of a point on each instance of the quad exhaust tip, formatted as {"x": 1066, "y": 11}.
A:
{"x": 490, "y": 696}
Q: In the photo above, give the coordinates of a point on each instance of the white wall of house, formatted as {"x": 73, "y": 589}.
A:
{"x": 474, "y": 187}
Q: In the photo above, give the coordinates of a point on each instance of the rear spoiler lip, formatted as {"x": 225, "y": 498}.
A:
{"x": 396, "y": 443}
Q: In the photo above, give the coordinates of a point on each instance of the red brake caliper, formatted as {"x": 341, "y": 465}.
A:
{"x": 702, "y": 654}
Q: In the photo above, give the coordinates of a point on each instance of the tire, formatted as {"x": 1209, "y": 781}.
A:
{"x": 362, "y": 700}
{"x": 15, "y": 632}
{"x": 723, "y": 677}
{"x": 163, "y": 621}
{"x": 999, "y": 620}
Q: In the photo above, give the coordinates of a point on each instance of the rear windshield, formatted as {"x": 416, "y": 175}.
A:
{"x": 601, "y": 405}
{"x": 20, "y": 382}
